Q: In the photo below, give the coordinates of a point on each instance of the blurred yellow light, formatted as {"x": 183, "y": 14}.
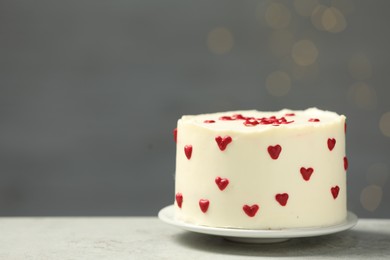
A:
{"x": 329, "y": 19}
{"x": 278, "y": 83}
{"x": 220, "y": 40}
{"x": 363, "y": 96}
{"x": 359, "y": 67}
{"x": 304, "y": 52}
{"x": 333, "y": 20}
{"x": 280, "y": 42}
{"x": 316, "y": 17}
{"x": 384, "y": 124}
{"x": 277, "y": 16}
{"x": 371, "y": 197}
{"x": 305, "y": 7}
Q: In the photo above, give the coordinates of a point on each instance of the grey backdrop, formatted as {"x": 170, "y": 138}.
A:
{"x": 91, "y": 90}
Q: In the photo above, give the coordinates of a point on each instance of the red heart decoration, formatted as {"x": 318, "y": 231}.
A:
{"x": 274, "y": 151}
{"x": 251, "y": 210}
{"x": 223, "y": 142}
{"x": 175, "y": 135}
{"x": 282, "y": 198}
{"x": 335, "y": 191}
{"x": 188, "y": 151}
{"x": 179, "y": 199}
{"x": 306, "y": 173}
{"x": 345, "y": 163}
{"x": 204, "y": 205}
{"x": 331, "y": 143}
{"x": 221, "y": 182}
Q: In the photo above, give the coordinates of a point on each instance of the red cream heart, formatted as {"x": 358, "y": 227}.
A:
{"x": 306, "y": 173}
{"x": 179, "y": 199}
{"x": 175, "y": 135}
{"x": 335, "y": 191}
{"x": 188, "y": 151}
{"x": 345, "y": 163}
{"x": 274, "y": 151}
{"x": 331, "y": 143}
{"x": 282, "y": 198}
{"x": 251, "y": 210}
{"x": 223, "y": 142}
{"x": 221, "y": 182}
{"x": 204, "y": 205}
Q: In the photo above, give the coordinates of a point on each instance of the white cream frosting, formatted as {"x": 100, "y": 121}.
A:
{"x": 254, "y": 177}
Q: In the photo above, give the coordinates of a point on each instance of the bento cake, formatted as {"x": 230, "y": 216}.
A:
{"x": 261, "y": 170}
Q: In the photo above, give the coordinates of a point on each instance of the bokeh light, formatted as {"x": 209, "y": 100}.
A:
{"x": 328, "y": 19}
{"x": 378, "y": 174}
{"x": 277, "y": 16}
{"x": 280, "y": 42}
{"x": 359, "y": 66}
{"x": 362, "y": 95}
{"x": 304, "y": 52}
{"x": 333, "y": 20}
{"x": 316, "y": 17}
{"x": 371, "y": 197}
{"x": 305, "y": 7}
{"x": 384, "y": 124}
{"x": 220, "y": 40}
{"x": 278, "y": 83}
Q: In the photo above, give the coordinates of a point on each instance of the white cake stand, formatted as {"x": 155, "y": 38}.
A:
{"x": 254, "y": 235}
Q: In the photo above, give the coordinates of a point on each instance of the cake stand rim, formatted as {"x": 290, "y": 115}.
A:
{"x": 166, "y": 215}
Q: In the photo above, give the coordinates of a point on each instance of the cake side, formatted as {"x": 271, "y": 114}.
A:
{"x": 261, "y": 171}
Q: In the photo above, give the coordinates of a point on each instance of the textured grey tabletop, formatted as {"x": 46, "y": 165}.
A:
{"x": 149, "y": 238}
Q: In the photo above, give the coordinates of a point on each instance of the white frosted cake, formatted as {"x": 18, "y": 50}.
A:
{"x": 261, "y": 170}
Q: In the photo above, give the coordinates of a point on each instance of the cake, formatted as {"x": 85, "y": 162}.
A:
{"x": 261, "y": 170}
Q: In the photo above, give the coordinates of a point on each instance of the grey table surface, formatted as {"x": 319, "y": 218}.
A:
{"x": 149, "y": 238}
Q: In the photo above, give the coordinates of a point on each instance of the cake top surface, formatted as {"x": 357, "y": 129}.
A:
{"x": 253, "y": 120}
